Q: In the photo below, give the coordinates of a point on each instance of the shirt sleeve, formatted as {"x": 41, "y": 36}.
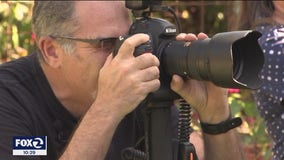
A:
{"x": 14, "y": 121}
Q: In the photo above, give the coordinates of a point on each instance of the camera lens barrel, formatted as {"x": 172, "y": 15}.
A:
{"x": 225, "y": 59}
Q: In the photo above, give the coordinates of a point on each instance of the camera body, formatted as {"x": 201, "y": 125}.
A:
{"x": 161, "y": 33}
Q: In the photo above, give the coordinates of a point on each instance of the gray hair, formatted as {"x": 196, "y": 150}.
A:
{"x": 55, "y": 18}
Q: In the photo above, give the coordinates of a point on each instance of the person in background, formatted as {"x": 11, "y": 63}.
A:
{"x": 267, "y": 17}
{"x": 86, "y": 101}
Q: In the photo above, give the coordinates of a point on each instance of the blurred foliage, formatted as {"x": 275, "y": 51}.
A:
{"x": 210, "y": 17}
{"x": 254, "y": 135}
{"x": 15, "y": 29}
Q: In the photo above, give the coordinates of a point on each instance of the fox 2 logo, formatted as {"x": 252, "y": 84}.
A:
{"x": 36, "y": 145}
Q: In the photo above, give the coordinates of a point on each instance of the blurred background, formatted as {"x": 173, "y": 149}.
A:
{"x": 210, "y": 17}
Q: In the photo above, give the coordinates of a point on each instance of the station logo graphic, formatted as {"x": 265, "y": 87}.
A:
{"x": 30, "y": 146}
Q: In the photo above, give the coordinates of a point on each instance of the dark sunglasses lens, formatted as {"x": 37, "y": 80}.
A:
{"x": 108, "y": 44}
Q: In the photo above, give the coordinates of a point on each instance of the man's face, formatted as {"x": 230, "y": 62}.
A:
{"x": 97, "y": 19}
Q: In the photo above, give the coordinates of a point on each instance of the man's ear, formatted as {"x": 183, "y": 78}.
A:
{"x": 51, "y": 51}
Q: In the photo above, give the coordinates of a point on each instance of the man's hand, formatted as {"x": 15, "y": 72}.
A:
{"x": 125, "y": 80}
{"x": 210, "y": 101}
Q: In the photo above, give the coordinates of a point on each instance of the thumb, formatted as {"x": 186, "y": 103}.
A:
{"x": 128, "y": 46}
{"x": 109, "y": 59}
{"x": 177, "y": 83}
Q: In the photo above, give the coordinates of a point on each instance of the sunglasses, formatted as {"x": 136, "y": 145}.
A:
{"x": 100, "y": 44}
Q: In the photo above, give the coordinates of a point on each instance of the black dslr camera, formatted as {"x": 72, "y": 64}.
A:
{"x": 225, "y": 59}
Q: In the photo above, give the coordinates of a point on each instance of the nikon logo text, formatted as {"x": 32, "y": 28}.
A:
{"x": 171, "y": 30}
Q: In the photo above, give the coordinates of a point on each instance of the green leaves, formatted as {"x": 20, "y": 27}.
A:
{"x": 15, "y": 29}
{"x": 252, "y": 130}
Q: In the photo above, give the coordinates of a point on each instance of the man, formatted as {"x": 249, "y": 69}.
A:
{"x": 84, "y": 99}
